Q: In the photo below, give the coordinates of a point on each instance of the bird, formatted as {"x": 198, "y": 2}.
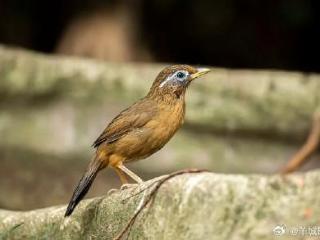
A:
{"x": 140, "y": 130}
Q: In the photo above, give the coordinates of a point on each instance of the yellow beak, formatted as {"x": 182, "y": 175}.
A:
{"x": 201, "y": 72}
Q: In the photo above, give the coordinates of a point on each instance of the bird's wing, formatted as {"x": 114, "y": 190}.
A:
{"x": 131, "y": 118}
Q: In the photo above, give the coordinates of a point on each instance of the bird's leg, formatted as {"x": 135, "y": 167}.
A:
{"x": 121, "y": 175}
{"x": 123, "y": 180}
{"x": 130, "y": 173}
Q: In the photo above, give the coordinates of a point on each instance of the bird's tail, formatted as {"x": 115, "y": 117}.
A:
{"x": 84, "y": 184}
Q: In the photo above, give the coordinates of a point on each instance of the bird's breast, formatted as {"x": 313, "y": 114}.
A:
{"x": 167, "y": 122}
{"x": 145, "y": 141}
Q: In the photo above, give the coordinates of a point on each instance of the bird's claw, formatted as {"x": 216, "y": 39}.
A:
{"x": 128, "y": 185}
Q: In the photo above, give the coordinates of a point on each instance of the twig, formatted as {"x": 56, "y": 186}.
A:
{"x": 144, "y": 202}
{"x": 140, "y": 191}
{"x": 307, "y": 149}
{"x": 6, "y": 234}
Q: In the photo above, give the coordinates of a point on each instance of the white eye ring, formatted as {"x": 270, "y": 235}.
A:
{"x": 175, "y": 76}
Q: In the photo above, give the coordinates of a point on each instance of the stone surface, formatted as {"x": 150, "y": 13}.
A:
{"x": 190, "y": 206}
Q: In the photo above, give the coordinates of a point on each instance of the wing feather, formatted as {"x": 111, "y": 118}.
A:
{"x": 131, "y": 118}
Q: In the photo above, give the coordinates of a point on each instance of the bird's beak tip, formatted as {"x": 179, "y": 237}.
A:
{"x": 203, "y": 70}
{"x": 200, "y": 72}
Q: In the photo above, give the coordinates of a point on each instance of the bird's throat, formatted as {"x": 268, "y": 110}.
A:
{"x": 169, "y": 98}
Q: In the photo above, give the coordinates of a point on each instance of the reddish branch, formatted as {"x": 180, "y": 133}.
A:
{"x": 307, "y": 149}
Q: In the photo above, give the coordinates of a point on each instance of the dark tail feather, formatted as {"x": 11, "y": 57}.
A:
{"x": 83, "y": 186}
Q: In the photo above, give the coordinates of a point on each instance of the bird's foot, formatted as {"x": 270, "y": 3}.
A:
{"x": 128, "y": 185}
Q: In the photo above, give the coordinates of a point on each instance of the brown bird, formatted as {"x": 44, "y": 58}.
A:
{"x": 140, "y": 130}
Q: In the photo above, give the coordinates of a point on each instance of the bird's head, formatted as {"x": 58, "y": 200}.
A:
{"x": 174, "y": 80}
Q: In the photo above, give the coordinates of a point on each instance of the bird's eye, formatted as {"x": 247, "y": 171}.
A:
{"x": 181, "y": 75}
